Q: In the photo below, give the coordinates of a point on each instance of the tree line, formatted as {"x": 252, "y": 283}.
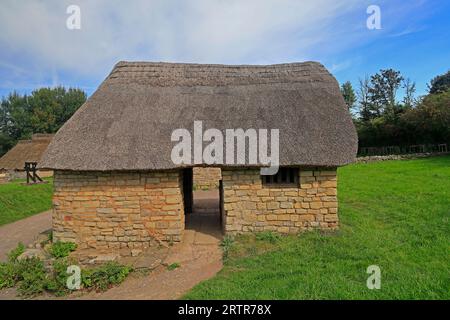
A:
{"x": 43, "y": 111}
{"x": 381, "y": 119}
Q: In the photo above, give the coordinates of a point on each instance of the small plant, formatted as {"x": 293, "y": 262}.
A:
{"x": 105, "y": 276}
{"x": 15, "y": 253}
{"x": 61, "y": 249}
{"x": 226, "y": 245}
{"x": 48, "y": 240}
{"x": 268, "y": 236}
{"x": 7, "y": 275}
{"x": 31, "y": 276}
{"x": 57, "y": 283}
{"x": 173, "y": 266}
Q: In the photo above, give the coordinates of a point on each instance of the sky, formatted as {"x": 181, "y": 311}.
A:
{"x": 37, "y": 49}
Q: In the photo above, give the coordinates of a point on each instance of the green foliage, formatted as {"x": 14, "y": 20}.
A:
{"x": 31, "y": 276}
{"x": 383, "y": 90}
{"x": 10, "y": 272}
{"x": 13, "y": 254}
{"x": 384, "y": 121}
{"x": 57, "y": 282}
{"x": 349, "y": 94}
{"x": 61, "y": 249}
{"x": 7, "y": 275}
{"x": 409, "y": 100}
{"x": 430, "y": 120}
{"x": 18, "y": 201}
{"x": 44, "y": 111}
{"x": 226, "y": 245}
{"x": 440, "y": 83}
{"x": 268, "y": 236}
{"x": 394, "y": 214}
{"x": 173, "y": 266}
{"x": 105, "y": 276}
{"x": 6, "y": 143}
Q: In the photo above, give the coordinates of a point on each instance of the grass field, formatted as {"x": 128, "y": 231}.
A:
{"x": 393, "y": 214}
{"x": 18, "y": 201}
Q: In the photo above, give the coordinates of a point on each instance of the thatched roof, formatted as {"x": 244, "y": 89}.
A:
{"x": 127, "y": 123}
{"x": 26, "y": 151}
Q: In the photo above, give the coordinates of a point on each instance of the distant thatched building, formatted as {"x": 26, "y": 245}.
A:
{"x": 13, "y": 162}
{"x": 116, "y": 187}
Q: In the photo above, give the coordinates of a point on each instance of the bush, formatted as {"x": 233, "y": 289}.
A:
{"x": 57, "y": 283}
{"x": 105, "y": 276}
{"x": 31, "y": 276}
{"x": 7, "y": 275}
{"x": 61, "y": 249}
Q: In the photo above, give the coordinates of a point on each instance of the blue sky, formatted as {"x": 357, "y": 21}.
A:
{"x": 37, "y": 49}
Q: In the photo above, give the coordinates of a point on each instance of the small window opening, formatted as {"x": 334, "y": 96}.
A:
{"x": 284, "y": 176}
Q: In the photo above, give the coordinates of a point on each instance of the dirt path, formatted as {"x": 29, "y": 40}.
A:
{"x": 25, "y": 231}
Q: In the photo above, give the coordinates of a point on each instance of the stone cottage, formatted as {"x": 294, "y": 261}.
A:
{"x": 116, "y": 188}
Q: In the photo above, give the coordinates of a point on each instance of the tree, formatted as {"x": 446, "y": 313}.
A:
{"x": 349, "y": 95}
{"x": 365, "y": 108}
{"x": 410, "y": 89}
{"x": 383, "y": 90}
{"x": 44, "y": 111}
{"x": 440, "y": 83}
{"x": 385, "y": 122}
{"x": 429, "y": 122}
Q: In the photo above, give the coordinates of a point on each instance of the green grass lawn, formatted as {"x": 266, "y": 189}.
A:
{"x": 394, "y": 214}
{"x": 18, "y": 201}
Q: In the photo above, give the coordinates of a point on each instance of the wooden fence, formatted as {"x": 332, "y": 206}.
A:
{"x": 391, "y": 150}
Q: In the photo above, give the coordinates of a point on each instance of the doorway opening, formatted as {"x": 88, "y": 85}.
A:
{"x": 202, "y": 207}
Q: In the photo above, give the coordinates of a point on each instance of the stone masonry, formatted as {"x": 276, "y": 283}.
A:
{"x": 117, "y": 211}
{"x": 249, "y": 205}
{"x": 206, "y": 178}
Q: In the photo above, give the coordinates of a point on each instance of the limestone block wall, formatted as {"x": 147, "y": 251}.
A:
{"x": 206, "y": 178}
{"x": 250, "y": 205}
{"x": 117, "y": 211}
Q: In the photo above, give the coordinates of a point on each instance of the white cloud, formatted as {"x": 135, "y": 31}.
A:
{"x": 34, "y": 36}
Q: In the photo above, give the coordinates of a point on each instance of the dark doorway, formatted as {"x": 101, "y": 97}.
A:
{"x": 188, "y": 196}
{"x": 202, "y": 208}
